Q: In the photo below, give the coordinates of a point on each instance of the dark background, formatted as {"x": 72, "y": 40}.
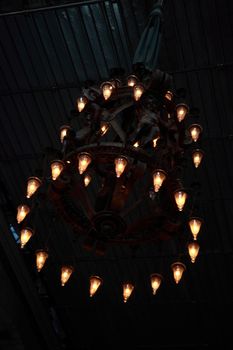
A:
{"x": 45, "y": 55}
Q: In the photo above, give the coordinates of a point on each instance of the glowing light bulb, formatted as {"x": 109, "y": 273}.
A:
{"x": 120, "y": 164}
{"x": 158, "y": 178}
{"x": 81, "y": 103}
{"x": 181, "y": 111}
{"x": 127, "y": 291}
{"x": 104, "y": 128}
{"x": 33, "y": 184}
{"x": 87, "y": 180}
{"x": 63, "y": 132}
{"x": 197, "y": 156}
{"x": 155, "y": 141}
{"x": 155, "y": 280}
{"x": 95, "y": 283}
{"x": 107, "y": 89}
{"x": 66, "y": 272}
{"x": 22, "y": 212}
{"x": 57, "y": 167}
{"x": 193, "y": 249}
{"x": 138, "y": 91}
{"x": 41, "y": 257}
{"x": 169, "y": 95}
{"x": 195, "y": 226}
{"x": 195, "y": 131}
{"x": 25, "y": 235}
{"x": 178, "y": 269}
{"x": 180, "y": 198}
{"x": 84, "y": 159}
{"x": 132, "y": 80}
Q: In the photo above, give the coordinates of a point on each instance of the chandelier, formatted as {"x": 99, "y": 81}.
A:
{"x": 131, "y": 142}
{"x": 118, "y": 178}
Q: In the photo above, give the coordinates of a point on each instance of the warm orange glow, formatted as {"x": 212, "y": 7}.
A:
{"x": 95, "y": 283}
{"x": 81, "y": 103}
{"x": 158, "y": 178}
{"x": 180, "y": 198}
{"x": 84, "y": 159}
{"x": 193, "y": 249}
{"x": 25, "y": 235}
{"x": 181, "y": 111}
{"x": 33, "y": 184}
{"x": 136, "y": 144}
{"x": 104, "y": 128}
{"x": 155, "y": 280}
{"x": 63, "y": 132}
{"x": 197, "y": 157}
{"x": 66, "y": 272}
{"x": 195, "y": 131}
{"x": 107, "y": 89}
{"x": 195, "y": 226}
{"x": 127, "y": 291}
{"x": 56, "y": 168}
{"x": 169, "y": 95}
{"x": 132, "y": 80}
{"x": 41, "y": 257}
{"x": 138, "y": 91}
{"x": 87, "y": 180}
{"x": 155, "y": 141}
{"x": 120, "y": 164}
{"x": 178, "y": 268}
{"x": 22, "y": 212}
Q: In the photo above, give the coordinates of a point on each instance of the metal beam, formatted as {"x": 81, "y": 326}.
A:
{"x": 53, "y": 7}
{"x": 31, "y": 317}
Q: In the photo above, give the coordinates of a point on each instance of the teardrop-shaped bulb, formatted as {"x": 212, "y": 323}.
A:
{"x": 107, "y": 89}
{"x": 63, "y": 132}
{"x": 57, "y": 167}
{"x": 158, "y": 178}
{"x": 87, "y": 179}
{"x": 193, "y": 249}
{"x": 195, "y": 226}
{"x": 132, "y": 80}
{"x": 155, "y": 280}
{"x": 138, "y": 90}
{"x": 169, "y": 95}
{"x": 104, "y": 128}
{"x": 22, "y": 212}
{"x": 25, "y": 234}
{"x": 81, "y": 103}
{"x": 197, "y": 156}
{"x": 33, "y": 184}
{"x": 127, "y": 291}
{"x": 95, "y": 283}
{"x": 120, "y": 164}
{"x": 41, "y": 257}
{"x": 84, "y": 159}
{"x": 181, "y": 111}
{"x": 66, "y": 272}
{"x": 136, "y": 144}
{"x": 195, "y": 131}
{"x": 180, "y": 198}
{"x": 178, "y": 269}
{"x": 155, "y": 141}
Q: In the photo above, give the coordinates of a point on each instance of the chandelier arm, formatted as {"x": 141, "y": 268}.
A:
{"x": 128, "y": 210}
{"x": 116, "y": 111}
{"x": 118, "y": 130}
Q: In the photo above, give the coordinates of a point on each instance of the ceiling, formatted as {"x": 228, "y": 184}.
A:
{"x": 45, "y": 56}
